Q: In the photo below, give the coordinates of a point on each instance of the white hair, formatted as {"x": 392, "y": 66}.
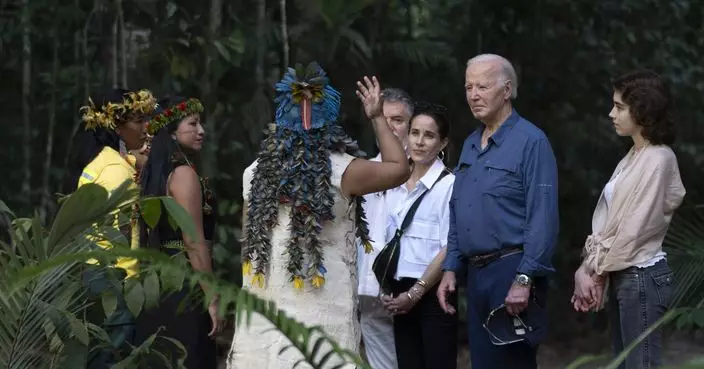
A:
{"x": 508, "y": 73}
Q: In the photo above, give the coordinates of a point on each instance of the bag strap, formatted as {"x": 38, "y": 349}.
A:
{"x": 412, "y": 211}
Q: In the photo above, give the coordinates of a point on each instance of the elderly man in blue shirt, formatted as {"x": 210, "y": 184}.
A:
{"x": 503, "y": 222}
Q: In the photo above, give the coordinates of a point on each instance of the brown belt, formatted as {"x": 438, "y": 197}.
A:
{"x": 482, "y": 260}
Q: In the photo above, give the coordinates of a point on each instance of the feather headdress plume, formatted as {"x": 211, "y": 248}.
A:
{"x": 294, "y": 170}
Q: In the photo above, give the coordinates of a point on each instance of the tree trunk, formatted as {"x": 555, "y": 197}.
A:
{"x": 114, "y": 65}
{"x": 26, "y": 96}
{"x": 123, "y": 44}
{"x": 81, "y": 50}
{"x": 209, "y": 155}
{"x": 261, "y": 44}
{"x": 284, "y": 34}
{"x": 46, "y": 177}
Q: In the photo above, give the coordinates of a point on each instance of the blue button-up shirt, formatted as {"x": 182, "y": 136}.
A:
{"x": 505, "y": 195}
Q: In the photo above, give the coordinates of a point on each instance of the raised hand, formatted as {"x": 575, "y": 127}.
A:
{"x": 370, "y": 95}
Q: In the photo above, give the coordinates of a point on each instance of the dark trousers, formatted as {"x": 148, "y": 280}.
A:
{"x": 120, "y": 326}
{"x": 487, "y": 288}
{"x": 426, "y": 337}
{"x": 638, "y": 297}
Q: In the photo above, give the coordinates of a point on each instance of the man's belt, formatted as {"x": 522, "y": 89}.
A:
{"x": 482, "y": 260}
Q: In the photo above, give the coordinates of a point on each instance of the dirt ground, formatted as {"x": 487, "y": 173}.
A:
{"x": 679, "y": 348}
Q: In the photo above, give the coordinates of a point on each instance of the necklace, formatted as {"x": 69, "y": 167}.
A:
{"x": 134, "y": 217}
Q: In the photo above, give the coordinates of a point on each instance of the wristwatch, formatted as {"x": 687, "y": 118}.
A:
{"x": 522, "y": 280}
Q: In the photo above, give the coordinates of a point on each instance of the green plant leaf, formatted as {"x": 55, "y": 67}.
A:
{"x": 151, "y": 211}
{"x": 78, "y": 328}
{"x": 5, "y": 209}
{"x": 134, "y": 297}
{"x": 181, "y": 217}
{"x": 109, "y": 301}
{"x": 151, "y": 290}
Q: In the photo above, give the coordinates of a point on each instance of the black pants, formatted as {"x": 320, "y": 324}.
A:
{"x": 426, "y": 337}
{"x": 120, "y": 326}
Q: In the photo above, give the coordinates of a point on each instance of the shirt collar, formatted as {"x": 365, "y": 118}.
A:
{"x": 432, "y": 174}
{"x": 500, "y": 135}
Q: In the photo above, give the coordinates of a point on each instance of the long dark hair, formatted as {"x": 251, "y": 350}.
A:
{"x": 164, "y": 154}
{"x": 89, "y": 143}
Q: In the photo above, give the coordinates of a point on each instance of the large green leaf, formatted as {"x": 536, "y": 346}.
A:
{"x": 89, "y": 203}
{"x": 151, "y": 211}
{"x": 134, "y": 296}
{"x": 180, "y": 217}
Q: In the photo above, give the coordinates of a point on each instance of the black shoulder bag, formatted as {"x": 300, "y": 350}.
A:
{"x": 386, "y": 262}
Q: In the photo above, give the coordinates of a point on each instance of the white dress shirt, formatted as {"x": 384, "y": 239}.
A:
{"x": 376, "y": 213}
{"x": 427, "y": 233}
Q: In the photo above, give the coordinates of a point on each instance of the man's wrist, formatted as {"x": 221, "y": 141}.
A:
{"x": 523, "y": 279}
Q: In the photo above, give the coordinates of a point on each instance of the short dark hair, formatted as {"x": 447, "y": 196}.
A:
{"x": 650, "y": 103}
{"x": 435, "y": 111}
{"x": 398, "y": 95}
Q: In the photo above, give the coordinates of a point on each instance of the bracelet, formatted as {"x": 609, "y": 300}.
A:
{"x": 421, "y": 282}
{"x": 410, "y": 297}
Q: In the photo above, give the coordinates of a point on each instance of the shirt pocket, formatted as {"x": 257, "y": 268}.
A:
{"x": 503, "y": 180}
{"x": 421, "y": 242}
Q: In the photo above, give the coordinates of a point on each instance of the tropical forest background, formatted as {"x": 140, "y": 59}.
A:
{"x": 54, "y": 54}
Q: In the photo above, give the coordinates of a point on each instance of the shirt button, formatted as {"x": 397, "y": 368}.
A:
{"x": 475, "y": 180}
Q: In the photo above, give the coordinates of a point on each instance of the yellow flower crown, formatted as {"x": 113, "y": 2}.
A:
{"x": 141, "y": 102}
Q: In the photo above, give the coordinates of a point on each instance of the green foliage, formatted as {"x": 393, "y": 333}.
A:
{"x": 42, "y": 300}
{"x": 178, "y": 47}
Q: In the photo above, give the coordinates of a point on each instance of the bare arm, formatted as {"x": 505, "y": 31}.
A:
{"x": 364, "y": 176}
{"x": 184, "y": 187}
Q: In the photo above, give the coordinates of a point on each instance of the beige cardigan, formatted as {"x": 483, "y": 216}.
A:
{"x": 632, "y": 229}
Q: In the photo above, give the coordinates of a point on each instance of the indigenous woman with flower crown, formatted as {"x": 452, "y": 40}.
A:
{"x": 299, "y": 248}
{"x": 177, "y": 136}
{"x": 100, "y": 155}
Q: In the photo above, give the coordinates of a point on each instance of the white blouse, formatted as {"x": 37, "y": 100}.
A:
{"x": 427, "y": 233}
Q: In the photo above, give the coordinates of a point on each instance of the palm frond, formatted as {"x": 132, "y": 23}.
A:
{"x": 316, "y": 347}
{"x": 684, "y": 245}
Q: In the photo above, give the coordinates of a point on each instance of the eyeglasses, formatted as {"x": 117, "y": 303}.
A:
{"x": 519, "y": 327}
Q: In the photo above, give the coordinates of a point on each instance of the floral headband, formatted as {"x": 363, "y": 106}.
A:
{"x": 174, "y": 113}
{"x": 107, "y": 116}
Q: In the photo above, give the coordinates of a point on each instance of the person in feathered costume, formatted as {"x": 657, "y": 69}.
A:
{"x": 298, "y": 248}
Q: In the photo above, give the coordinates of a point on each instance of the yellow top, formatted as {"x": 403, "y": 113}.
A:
{"x": 109, "y": 170}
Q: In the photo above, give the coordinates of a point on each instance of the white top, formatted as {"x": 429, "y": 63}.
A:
{"x": 333, "y": 307}
{"x": 608, "y": 196}
{"x": 376, "y": 214}
{"x": 427, "y": 233}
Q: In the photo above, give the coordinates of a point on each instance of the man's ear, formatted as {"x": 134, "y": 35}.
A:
{"x": 508, "y": 85}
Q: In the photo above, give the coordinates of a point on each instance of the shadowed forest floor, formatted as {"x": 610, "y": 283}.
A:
{"x": 679, "y": 348}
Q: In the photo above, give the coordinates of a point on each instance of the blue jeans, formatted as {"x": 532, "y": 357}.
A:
{"x": 638, "y": 297}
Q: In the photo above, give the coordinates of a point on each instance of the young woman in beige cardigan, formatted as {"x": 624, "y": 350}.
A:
{"x": 631, "y": 219}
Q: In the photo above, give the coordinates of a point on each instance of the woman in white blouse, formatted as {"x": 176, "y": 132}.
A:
{"x": 425, "y": 336}
{"x": 631, "y": 219}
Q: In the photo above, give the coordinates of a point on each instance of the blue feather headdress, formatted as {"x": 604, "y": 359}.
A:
{"x": 300, "y": 87}
{"x": 294, "y": 169}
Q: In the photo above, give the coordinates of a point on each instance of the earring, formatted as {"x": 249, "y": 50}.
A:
{"x": 441, "y": 155}
{"x": 123, "y": 148}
